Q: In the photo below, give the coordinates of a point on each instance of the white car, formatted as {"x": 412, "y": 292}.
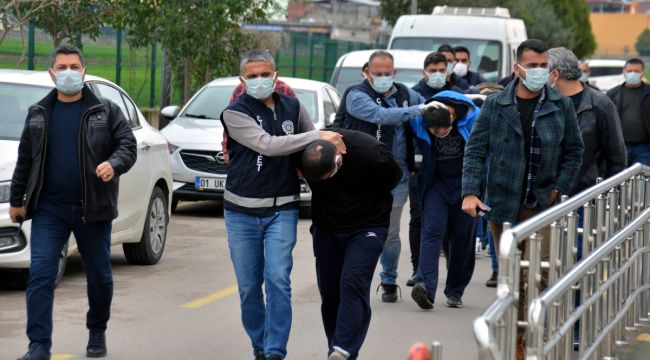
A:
{"x": 408, "y": 67}
{"x": 196, "y": 133}
{"x": 143, "y": 202}
{"x": 606, "y": 73}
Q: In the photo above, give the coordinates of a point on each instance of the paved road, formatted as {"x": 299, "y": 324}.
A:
{"x": 186, "y": 307}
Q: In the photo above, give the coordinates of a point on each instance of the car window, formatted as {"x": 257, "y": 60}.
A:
{"x": 328, "y": 105}
{"x": 336, "y": 98}
{"x": 605, "y": 70}
{"x": 485, "y": 54}
{"x": 114, "y": 95}
{"x": 209, "y": 103}
{"x": 135, "y": 121}
{"x": 309, "y": 100}
{"x": 15, "y": 100}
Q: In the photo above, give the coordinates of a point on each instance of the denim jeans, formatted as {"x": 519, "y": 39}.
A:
{"x": 345, "y": 264}
{"x": 442, "y": 214}
{"x": 393, "y": 245}
{"x": 52, "y": 224}
{"x": 260, "y": 249}
{"x": 639, "y": 153}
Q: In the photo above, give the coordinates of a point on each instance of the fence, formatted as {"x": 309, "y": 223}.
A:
{"x": 612, "y": 280}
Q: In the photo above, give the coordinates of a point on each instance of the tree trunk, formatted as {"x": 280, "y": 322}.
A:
{"x": 187, "y": 79}
{"x": 23, "y": 50}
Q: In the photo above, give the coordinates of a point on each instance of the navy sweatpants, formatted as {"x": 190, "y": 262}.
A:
{"x": 345, "y": 264}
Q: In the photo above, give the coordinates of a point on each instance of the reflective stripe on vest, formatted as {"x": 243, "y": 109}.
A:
{"x": 259, "y": 202}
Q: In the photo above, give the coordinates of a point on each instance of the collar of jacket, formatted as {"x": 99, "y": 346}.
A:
{"x": 586, "y": 103}
{"x": 88, "y": 98}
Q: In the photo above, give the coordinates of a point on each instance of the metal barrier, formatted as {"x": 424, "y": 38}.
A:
{"x": 612, "y": 279}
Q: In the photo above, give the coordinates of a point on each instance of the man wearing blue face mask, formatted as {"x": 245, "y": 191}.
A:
{"x": 632, "y": 99}
{"x": 380, "y": 107}
{"x": 535, "y": 150}
{"x": 69, "y": 184}
{"x": 261, "y": 199}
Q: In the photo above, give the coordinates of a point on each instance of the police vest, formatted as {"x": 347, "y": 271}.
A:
{"x": 383, "y": 133}
{"x": 259, "y": 184}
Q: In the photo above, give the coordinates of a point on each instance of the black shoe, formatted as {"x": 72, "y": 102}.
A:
{"x": 35, "y": 353}
{"x": 421, "y": 296}
{"x": 411, "y": 281}
{"x": 274, "y": 357}
{"x": 96, "y": 344}
{"x": 260, "y": 355}
{"x": 454, "y": 302}
{"x": 389, "y": 292}
{"x": 492, "y": 282}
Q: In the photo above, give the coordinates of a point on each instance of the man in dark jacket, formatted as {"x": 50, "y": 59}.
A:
{"x": 463, "y": 62}
{"x": 600, "y": 126}
{"x": 632, "y": 98}
{"x": 73, "y": 149}
{"x": 340, "y": 112}
{"x": 448, "y": 52}
{"x": 351, "y": 206}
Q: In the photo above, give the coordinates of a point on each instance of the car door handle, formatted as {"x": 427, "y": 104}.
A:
{"x": 145, "y": 147}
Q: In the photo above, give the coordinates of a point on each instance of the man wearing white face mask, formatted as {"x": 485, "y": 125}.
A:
{"x": 463, "y": 62}
{"x": 448, "y": 52}
{"x": 261, "y": 199}
{"x": 436, "y": 78}
{"x": 632, "y": 99}
{"x": 69, "y": 184}
{"x": 535, "y": 151}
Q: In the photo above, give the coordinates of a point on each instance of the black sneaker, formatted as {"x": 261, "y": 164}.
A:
{"x": 274, "y": 357}
{"x": 411, "y": 281}
{"x": 492, "y": 282}
{"x": 259, "y": 355}
{"x": 454, "y": 302}
{"x": 35, "y": 353}
{"x": 388, "y": 292}
{"x": 96, "y": 344}
{"x": 421, "y": 296}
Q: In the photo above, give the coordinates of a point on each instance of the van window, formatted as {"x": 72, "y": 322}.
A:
{"x": 605, "y": 70}
{"x": 349, "y": 76}
{"x": 484, "y": 54}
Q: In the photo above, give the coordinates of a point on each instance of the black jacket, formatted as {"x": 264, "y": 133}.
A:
{"x": 605, "y": 153}
{"x": 104, "y": 135}
{"x": 616, "y": 94}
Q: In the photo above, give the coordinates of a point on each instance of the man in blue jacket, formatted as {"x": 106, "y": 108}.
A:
{"x": 441, "y": 134}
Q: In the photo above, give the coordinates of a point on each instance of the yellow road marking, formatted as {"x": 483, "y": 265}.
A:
{"x": 210, "y": 298}
{"x": 63, "y": 356}
{"x": 645, "y": 337}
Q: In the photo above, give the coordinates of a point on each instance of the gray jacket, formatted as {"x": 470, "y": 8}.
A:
{"x": 605, "y": 153}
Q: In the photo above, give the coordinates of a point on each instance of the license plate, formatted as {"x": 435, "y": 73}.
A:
{"x": 203, "y": 183}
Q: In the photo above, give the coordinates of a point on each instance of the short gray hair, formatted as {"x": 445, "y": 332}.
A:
{"x": 380, "y": 53}
{"x": 256, "y": 55}
{"x": 66, "y": 49}
{"x": 566, "y": 63}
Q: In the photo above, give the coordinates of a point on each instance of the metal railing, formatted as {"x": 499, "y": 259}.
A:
{"x": 612, "y": 280}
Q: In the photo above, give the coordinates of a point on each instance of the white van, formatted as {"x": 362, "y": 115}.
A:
{"x": 491, "y": 36}
{"x": 408, "y": 67}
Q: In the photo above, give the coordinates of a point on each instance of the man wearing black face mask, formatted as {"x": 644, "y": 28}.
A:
{"x": 351, "y": 206}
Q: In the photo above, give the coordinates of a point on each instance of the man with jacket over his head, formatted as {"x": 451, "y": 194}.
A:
{"x": 72, "y": 151}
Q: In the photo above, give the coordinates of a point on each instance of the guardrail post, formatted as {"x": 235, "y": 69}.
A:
{"x": 645, "y": 303}
{"x": 436, "y": 350}
{"x": 534, "y": 276}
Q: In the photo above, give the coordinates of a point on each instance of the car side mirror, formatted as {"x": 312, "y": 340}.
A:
{"x": 170, "y": 111}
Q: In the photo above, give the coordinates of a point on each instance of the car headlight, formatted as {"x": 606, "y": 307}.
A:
{"x": 5, "y": 191}
{"x": 11, "y": 240}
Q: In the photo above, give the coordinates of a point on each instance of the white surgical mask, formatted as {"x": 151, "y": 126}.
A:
{"x": 382, "y": 84}
{"x": 69, "y": 82}
{"x": 633, "y": 78}
{"x": 450, "y": 67}
{"x": 260, "y": 87}
{"x": 535, "y": 79}
{"x": 460, "y": 69}
{"x": 584, "y": 77}
{"x": 437, "y": 80}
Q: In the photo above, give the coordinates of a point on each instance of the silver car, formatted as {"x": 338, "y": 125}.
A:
{"x": 196, "y": 133}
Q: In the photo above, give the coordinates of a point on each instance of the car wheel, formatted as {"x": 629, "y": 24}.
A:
{"x": 174, "y": 204}
{"x": 63, "y": 260}
{"x": 152, "y": 244}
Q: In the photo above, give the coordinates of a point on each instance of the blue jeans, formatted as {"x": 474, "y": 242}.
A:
{"x": 345, "y": 264}
{"x": 393, "y": 245}
{"x": 260, "y": 249}
{"x": 639, "y": 153}
{"x": 493, "y": 251}
{"x": 442, "y": 214}
{"x": 52, "y": 224}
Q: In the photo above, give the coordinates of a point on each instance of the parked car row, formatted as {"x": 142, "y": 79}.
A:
{"x": 145, "y": 191}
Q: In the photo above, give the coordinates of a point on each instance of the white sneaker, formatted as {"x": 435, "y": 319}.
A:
{"x": 338, "y": 354}
{"x": 479, "y": 248}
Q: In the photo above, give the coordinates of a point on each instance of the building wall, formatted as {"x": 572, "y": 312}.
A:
{"x": 616, "y": 34}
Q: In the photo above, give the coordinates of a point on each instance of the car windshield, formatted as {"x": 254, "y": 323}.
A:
{"x": 605, "y": 70}
{"x": 213, "y": 100}
{"x": 309, "y": 99}
{"x": 349, "y": 76}
{"x": 484, "y": 54}
{"x": 15, "y": 100}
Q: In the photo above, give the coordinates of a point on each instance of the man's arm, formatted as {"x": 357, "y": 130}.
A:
{"x": 125, "y": 150}
{"x": 611, "y": 133}
{"x": 365, "y": 108}
{"x": 23, "y": 167}
{"x": 571, "y": 150}
{"x": 247, "y": 132}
